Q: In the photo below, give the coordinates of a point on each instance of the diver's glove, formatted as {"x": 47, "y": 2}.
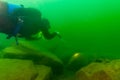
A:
{"x": 58, "y": 34}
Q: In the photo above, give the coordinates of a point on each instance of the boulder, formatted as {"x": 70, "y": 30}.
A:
{"x": 44, "y": 72}
{"x": 37, "y": 55}
{"x": 14, "y": 69}
{"x": 77, "y": 61}
{"x": 100, "y": 71}
{"x": 86, "y": 72}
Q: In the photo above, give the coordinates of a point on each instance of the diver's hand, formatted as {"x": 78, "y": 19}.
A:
{"x": 58, "y": 34}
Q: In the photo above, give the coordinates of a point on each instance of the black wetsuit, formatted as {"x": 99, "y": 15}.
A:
{"x": 32, "y": 22}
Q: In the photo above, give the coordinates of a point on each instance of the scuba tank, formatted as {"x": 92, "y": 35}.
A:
{"x": 11, "y": 8}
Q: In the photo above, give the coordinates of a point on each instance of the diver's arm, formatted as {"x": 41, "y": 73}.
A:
{"x": 49, "y": 35}
{"x": 45, "y": 30}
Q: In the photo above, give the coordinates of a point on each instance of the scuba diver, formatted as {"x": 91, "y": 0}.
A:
{"x": 18, "y": 21}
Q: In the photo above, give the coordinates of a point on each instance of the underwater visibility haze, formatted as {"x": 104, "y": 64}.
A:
{"x": 90, "y": 29}
{"x": 89, "y": 26}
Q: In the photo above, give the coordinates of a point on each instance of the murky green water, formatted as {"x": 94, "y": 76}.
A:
{"x": 90, "y": 27}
